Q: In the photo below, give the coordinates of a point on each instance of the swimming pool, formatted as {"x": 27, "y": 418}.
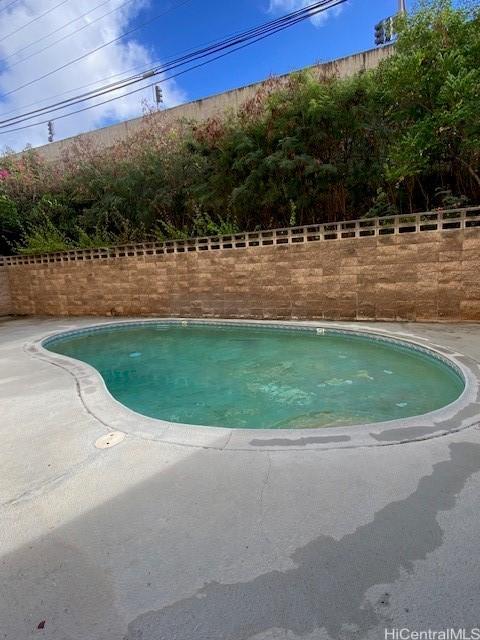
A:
{"x": 257, "y": 377}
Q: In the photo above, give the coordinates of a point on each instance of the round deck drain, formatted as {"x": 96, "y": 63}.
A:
{"x": 110, "y": 440}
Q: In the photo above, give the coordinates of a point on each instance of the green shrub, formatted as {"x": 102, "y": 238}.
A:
{"x": 42, "y": 237}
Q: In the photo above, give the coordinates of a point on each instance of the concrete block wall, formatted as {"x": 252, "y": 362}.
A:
{"x": 423, "y": 276}
{"x": 5, "y": 299}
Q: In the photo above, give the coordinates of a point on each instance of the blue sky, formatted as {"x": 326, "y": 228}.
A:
{"x": 39, "y": 36}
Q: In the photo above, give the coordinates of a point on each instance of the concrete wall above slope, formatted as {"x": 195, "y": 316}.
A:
{"x": 214, "y": 105}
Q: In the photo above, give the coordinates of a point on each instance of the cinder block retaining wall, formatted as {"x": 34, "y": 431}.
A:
{"x": 424, "y": 275}
{"x": 5, "y": 300}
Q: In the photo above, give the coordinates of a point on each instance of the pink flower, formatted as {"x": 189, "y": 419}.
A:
{"x": 4, "y": 174}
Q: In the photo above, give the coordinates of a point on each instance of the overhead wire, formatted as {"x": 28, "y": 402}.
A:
{"x": 323, "y": 5}
{"x": 229, "y": 41}
{"x": 63, "y": 26}
{"x": 27, "y": 24}
{"x": 115, "y": 75}
{"x": 254, "y": 35}
{"x": 188, "y": 51}
{"x": 92, "y": 51}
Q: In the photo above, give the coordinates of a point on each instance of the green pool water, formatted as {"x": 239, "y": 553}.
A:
{"x": 262, "y": 378}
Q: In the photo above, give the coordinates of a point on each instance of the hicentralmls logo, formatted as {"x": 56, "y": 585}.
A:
{"x": 431, "y": 634}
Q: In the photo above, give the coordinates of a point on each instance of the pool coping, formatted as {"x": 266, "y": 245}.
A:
{"x": 116, "y": 417}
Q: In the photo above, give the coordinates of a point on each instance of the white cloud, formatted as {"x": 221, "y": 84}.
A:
{"x": 114, "y": 59}
{"x": 286, "y": 6}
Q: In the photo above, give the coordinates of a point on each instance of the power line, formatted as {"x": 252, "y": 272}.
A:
{"x": 266, "y": 29}
{"x": 89, "y": 53}
{"x": 64, "y": 93}
{"x": 34, "y": 19}
{"x": 115, "y": 75}
{"x": 202, "y": 64}
{"x": 319, "y": 7}
{"x": 77, "y": 99}
{"x": 68, "y": 35}
{"x": 89, "y": 84}
{"x": 279, "y": 20}
{"x": 271, "y": 26}
{"x": 67, "y": 24}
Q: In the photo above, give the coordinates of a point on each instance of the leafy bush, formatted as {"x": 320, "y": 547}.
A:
{"x": 43, "y": 236}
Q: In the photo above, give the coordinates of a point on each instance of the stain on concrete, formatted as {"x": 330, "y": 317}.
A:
{"x": 404, "y": 433}
{"x": 470, "y": 413}
{"x": 328, "y": 586}
{"x": 288, "y": 442}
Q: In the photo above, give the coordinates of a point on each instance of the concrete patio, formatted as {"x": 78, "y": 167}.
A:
{"x": 149, "y": 540}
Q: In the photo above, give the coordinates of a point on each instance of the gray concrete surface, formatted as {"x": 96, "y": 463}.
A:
{"x": 157, "y": 541}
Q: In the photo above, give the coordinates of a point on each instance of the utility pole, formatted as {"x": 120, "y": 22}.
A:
{"x": 402, "y": 8}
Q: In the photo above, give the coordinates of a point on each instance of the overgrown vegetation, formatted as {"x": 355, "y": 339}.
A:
{"x": 404, "y": 137}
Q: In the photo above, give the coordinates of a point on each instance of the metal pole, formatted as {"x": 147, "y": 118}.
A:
{"x": 402, "y": 9}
